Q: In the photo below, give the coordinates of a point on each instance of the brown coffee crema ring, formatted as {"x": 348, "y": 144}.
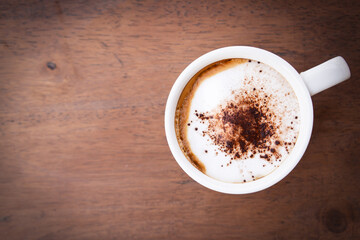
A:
{"x": 241, "y": 128}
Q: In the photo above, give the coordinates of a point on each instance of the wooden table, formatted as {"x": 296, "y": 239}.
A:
{"x": 83, "y": 87}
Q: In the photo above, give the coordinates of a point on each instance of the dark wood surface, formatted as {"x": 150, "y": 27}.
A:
{"x": 83, "y": 87}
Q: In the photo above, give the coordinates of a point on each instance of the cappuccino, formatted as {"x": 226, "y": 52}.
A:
{"x": 237, "y": 120}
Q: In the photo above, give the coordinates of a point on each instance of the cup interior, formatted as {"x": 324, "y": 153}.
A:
{"x": 306, "y": 117}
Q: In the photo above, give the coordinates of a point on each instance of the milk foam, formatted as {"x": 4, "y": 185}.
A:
{"x": 215, "y": 92}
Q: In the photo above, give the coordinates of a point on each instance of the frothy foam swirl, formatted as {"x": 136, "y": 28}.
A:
{"x": 237, "y": 120}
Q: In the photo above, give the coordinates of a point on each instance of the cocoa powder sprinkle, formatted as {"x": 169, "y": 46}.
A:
{"x": 241, "y": 127}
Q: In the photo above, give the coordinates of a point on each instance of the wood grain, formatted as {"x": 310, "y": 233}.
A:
{"x": 83, "y": 153}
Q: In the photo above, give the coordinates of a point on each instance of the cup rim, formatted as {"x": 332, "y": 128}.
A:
{"x": 306, "y": 118}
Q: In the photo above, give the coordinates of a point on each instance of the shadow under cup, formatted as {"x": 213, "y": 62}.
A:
{"x": 305, "y": 128}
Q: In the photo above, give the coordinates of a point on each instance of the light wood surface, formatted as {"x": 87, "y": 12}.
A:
{"x": 83, "y": 153}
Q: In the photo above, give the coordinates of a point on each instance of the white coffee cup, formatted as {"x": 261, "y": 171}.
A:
{"x": 305, "y": 85}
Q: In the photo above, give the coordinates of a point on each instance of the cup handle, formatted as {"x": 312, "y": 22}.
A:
{"x": 326, "y": 75}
